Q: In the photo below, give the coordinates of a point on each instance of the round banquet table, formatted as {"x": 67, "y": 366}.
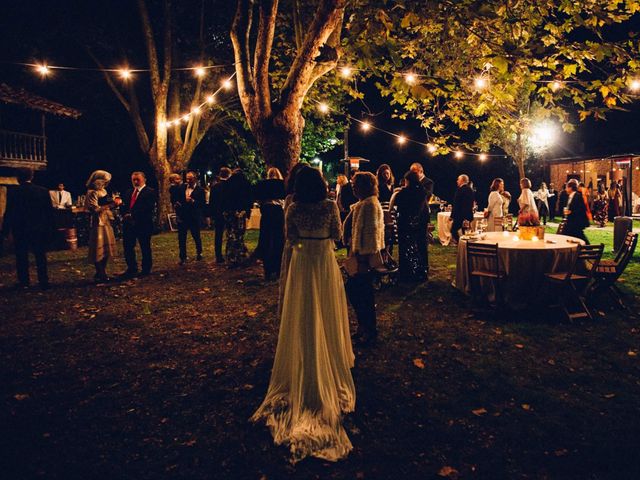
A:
{"x": 524, "y": 261}
{"x": 444, "y": 226}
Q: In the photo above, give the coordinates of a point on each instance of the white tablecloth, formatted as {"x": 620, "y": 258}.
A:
{"x": 444, "y": 226}
{"x": 525, "y": 263}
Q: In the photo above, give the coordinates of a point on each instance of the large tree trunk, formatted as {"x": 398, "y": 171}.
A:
{"x": 280, "y": 140}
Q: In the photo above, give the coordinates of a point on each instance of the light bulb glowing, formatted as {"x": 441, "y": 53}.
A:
{"x": 323, "y": 107}
{"x": 211, "y": 99}
{"x": 199, "y": 72}
{"x": 185, "y": 118}
{"x": 43, "y": 70}
{"x": 227, "y": 85}
{"x": 402, "y": 139}
{"x": 482, "y": 157}
{"x": 458, "y": 154}
{"x": 346, "y": 72}
{"x": 431, "y": 148}
{"x": 410, "y": 78}
{"x": 124, "y": 73}
{"x": 543, "y": 135}
{"x": 365, "y": 126}
{"x": 556, "y": 85}
{"x": 635, "y": 85}
{"x": 195, "y": 110}
{"x": 481, "y": 83}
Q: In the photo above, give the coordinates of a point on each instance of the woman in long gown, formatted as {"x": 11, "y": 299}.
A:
{"x": 311, "y": 384}
{"x": 413, "y": 218}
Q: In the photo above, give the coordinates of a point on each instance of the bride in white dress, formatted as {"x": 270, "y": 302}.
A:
{"x": 311, "y": 384}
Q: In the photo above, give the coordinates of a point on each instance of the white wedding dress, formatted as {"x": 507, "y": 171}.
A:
{"x": 311, "y": 384}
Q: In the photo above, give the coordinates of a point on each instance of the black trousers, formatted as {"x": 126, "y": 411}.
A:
{"x": 455, "y": 226}
{"x": 218, "y": 236}
{"x": 131, "y": 236}
{"x": 360, "y": 293}
{"x": 38, "y": 246}
{"x": 193, "y": 226}
{"x": 271, "y": 238}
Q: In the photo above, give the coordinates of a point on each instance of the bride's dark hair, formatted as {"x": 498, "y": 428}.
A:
{"x": 310, "y": 186}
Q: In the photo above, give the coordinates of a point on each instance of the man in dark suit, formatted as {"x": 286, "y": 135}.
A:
{"x": 216, "y": 200}
{"x": 563, "y": 197}
{"x": 425, "y": 182}
{"x": 553, "y": 202}
{"x": 577, "y": 219}
{"x": 137, "y": 214}
{"x": 462, "y": 206}
{"x": 29, "y": 217}
{"x": 189, "y": 202}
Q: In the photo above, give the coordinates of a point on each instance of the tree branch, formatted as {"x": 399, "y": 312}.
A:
{"x": 168, "y": 50}
{"x": 268, "y": 10}
{"x": 240, "y": 36}
{"x": 152, "y": 53}
{"x": 306, "y": 68}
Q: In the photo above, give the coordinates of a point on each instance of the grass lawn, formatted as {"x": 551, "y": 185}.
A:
{"x": 157, "y": 377}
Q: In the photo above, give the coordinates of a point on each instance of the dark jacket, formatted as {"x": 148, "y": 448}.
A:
{"x": 29, "y": 212}
{"x": 563, "y": 197}
{"x": 385, "y": 192}
{"x": 237, "y": 194}
{"x": 142, "y": 212}
{"x": 577, "y": 220}
{"x": 413, "y": 211}
{"x": 463, "y": 204}
{"x": 346, "y": 198}
{"x": 216, "y": 199}
{"x": 189, "y": 211}
{"x": 270, "y": 189}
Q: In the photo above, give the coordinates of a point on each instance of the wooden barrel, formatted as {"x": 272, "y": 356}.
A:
{"x": 71, "y": 238}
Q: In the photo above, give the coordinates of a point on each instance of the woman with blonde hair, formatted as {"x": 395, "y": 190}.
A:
{"x": 526, "y": 201}
{"x": 102, "y": 241}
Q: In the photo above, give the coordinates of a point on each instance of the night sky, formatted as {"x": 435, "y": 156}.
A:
{"x": 103, "y": 137}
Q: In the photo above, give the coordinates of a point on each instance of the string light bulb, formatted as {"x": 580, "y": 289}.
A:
{"x": 124, "y": 73}
{"x": 635, "y": 85}
{"x": 431, "y": 148}
{"x": 199, "y": 72}
{"x": 481, "y": 83}
{"x": 458, "y": 154}
{"x": 211, "y": 99}
{"x": 402, "y": 139}
{"x": 365, "y": 126}
{"x": 185, "y": 118}
{"x": 482, "y": 157}
{"x": 556, "y": 85}
{"x": 346, "y": 72}
{"x": 410, "y": 78}
{"x": 195, "y": 110}
{"x": 227, "y": 85}
{"x": 323, "y": 107}
{"x": 43, "y": 70}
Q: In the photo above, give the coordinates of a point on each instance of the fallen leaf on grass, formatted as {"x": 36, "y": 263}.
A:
{"x": 631, "y": 353}
{"x": 479, "y": 411}
{"x": 526, "y": 406}
{"x": 21, "y": 396}
{"x": 562, "y": 452}
{"x": 551, "y": 361}
{"x": 251, "y": 313}
{"x": 418, "y": 362}
{"x": 519, "y": 345}
{"x": 609, "y": 395}
{"x": 448, "y": 471}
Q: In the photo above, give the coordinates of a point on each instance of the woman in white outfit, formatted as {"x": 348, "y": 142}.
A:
{"x": 496, "y": 205}
{"x": 526, "y": 202}
{"x": 311, "y": 384}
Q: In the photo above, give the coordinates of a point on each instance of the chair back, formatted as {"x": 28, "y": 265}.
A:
{"x": 483, "y": 252}
{"x": 628, "y": 240}
{"x": 509, "y": 222}
{"x": 498, "y": 224}
{"x": 588, "y": 257}
{"x": 628, "y": 249}
{"x": 562, "y": 226}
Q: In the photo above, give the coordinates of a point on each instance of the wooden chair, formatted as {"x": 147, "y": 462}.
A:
{"x": 562, "y": 226}
{"x": 587, "y": 260}
{"x": 498, "y": 224}
{"x": 609, "y": 271}
{"x": 483, "y": 261}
